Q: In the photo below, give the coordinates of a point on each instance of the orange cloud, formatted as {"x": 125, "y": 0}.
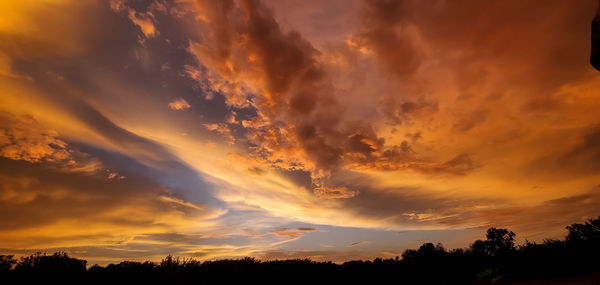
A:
{"x": 143, "y": 20}
{"x": 31, "y": 30}
{"x": 291, "y": 233}
{"x": 179, "y": 104}
{"x": 334, "y": 193}
{"x": 300, "y": 122}
{"x": 23, "y": 138}
{"x": 49, "y": 208}
{"x": 286, "y": 233}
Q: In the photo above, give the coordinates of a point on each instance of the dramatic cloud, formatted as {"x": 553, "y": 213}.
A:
{"x": 299, "y": 122}
{"x": 292, "y": 129}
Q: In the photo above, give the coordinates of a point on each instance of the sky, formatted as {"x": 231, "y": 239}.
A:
{"x": 331, "y": 130}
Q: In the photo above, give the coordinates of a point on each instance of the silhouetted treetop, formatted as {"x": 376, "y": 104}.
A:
{"x": 586, "y": 232}
{"x": 58, "y": 262}
{"x": 6, "y": 262}
{"x": 499, "y": 241}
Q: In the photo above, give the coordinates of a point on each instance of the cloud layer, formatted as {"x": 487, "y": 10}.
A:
{"x": 292, "y": 129}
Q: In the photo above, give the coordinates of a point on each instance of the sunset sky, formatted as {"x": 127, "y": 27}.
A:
{"x": 332, "y": 130}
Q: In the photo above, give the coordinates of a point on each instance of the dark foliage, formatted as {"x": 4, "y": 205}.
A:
{"x": 58, "y": 263}
{"x": 6, "y": 263}
{"x": 495, "y": 259}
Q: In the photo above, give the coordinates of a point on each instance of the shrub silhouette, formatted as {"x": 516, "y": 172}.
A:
{"x": 6, "y": 262}
{"x": 56, "y": 263}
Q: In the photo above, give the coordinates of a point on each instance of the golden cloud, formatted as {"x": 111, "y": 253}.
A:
{"x": 179, "y": 104}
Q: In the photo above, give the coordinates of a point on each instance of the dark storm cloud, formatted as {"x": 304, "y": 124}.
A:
{"x": 497, "y": 33}
{"x": 293, "y": 95}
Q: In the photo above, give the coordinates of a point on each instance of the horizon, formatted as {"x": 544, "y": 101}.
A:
{"x": 515, "y": 246}
{"x": 331, "y": 130}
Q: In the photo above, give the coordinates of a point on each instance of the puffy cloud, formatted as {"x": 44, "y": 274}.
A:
{"x": 23, "y": 138}
{"x": 299, "y": 122}
{"x": 179, "y": 104}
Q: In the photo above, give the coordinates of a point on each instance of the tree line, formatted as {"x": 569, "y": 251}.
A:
{"x": 495, "y": 259}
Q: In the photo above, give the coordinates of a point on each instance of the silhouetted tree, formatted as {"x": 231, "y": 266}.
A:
{"x": 499, "y": 241}
{"x": 427, "y": 251}
{"x": 587, "y": 232}
{"x": 6, "y": 262}
{"x": 57, "y": 263}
